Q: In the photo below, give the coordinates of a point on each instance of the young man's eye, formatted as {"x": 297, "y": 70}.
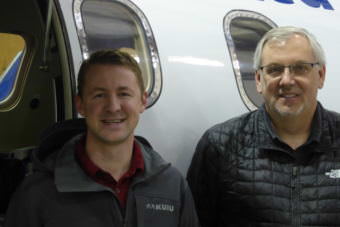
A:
{"x": 99, "y": 95}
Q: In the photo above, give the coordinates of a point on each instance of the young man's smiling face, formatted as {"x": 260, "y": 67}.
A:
{"x": 111, "y": 103}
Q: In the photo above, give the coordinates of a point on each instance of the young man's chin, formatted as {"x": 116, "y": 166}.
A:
{"x": 114, "y": 139}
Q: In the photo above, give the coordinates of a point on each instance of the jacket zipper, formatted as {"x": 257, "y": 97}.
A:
{"x": 116, "y": 205}
{"x": 127, "y": 208}
{"x": 128, "y": 202}
{"x": 295, "y": 196}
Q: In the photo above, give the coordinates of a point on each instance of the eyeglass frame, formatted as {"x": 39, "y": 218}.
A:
{"x": 312, "y": 64}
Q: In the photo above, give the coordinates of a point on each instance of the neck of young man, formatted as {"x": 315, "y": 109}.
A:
{"x": 113, "y": 158}
{"x": 293, "y": 130}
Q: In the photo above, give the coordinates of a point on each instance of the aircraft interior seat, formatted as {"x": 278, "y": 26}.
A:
{"x": 12, "y": 172}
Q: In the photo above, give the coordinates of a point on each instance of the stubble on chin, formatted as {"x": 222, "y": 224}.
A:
{"x": 287, "y": 112}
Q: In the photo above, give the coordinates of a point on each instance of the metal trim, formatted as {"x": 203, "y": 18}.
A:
{"x": 156, "y": 87}
{"x": 235, "y": 62}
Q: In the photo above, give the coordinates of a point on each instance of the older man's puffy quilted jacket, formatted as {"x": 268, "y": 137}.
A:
{"x": 243, "y": 175}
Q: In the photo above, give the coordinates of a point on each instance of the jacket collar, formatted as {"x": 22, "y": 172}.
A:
{"x": 69, "y": 176}
{"x": 319, "y": 138}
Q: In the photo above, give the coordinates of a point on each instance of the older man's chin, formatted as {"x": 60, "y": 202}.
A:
{"x": 289, "y": 112}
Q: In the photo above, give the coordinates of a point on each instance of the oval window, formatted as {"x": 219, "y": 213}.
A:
{"x": 121, "y": 25}
{"x": 12, "y": 48}
{"x": 243, "y": 30}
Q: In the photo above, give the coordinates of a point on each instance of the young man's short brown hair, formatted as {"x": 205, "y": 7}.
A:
{"x": 109, "y": 57}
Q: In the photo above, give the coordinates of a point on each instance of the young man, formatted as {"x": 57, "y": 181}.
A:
{"x": 278, "y": 165}
{"x": 105, "y": 177}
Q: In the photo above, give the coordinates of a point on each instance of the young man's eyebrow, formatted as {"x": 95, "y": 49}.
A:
{"x": 125, "y": 88}
{"x": 121, "y": 88}
{"x": 95, "y": 89}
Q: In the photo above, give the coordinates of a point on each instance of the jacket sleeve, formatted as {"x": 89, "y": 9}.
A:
{"x": 23, "y": 210}
{"x": 188, "y": 217}
{"x": 203, "y": 180}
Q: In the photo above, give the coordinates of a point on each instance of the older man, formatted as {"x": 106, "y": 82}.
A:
{"x": 278, "y": 165}
{"x": 104, "y": 177}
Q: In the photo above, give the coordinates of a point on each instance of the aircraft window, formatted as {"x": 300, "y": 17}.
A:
{"x": 12, "y": 48}
{"x": 120, "y": 25}
{"x": 243, "y": 30}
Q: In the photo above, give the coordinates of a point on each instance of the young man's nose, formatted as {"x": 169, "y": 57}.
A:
{"x": 113, "y": 103}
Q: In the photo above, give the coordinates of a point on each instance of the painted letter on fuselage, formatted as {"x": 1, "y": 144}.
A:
{"x": 318, "y": 3}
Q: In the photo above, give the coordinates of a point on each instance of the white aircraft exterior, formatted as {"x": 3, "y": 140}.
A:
{"x": 196, "y": 56}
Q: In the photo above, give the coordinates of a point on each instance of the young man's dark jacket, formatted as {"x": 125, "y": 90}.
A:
{"x": 59, "y": 194}
{"x": 242, "y": 174}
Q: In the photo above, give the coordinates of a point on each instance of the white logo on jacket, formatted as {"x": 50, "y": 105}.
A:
{"x": 334, "y": 173}
{"x": 160, "y": 207}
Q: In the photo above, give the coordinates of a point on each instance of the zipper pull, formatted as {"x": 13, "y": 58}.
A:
{"x": 295, "y": 169}
{"x": 294, "y": 175}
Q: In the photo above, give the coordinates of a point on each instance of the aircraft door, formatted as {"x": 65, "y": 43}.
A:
{"x": 27, "y": 89}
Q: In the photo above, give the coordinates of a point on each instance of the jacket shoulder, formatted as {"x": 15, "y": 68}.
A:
{"x": 225, "y": 131}
{"x": 164, "y": 179}
{"x": 331, "y": 125}
{"x": 332, "y": 115}
{"x": 35, "y": 184}
{"x": 27, "y": 199}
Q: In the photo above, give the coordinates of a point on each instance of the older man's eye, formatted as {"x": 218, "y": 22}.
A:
{"x": 300, "y": 69}
{"x": 275, "y": 70}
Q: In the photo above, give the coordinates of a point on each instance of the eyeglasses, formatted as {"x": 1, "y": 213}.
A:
{"x": 298, "y": 69}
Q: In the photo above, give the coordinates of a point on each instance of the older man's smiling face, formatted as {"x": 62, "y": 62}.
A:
{"x": 290, "y": 94}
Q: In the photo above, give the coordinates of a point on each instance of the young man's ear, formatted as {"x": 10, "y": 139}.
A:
{"x": 144, "y": 101}
{"x": 79, "y": 105}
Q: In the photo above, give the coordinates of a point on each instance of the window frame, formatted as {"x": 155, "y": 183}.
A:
{"x": 229, "y": 17}
{"x": 15, "y": 95}
{"x": 155, "y": 88}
